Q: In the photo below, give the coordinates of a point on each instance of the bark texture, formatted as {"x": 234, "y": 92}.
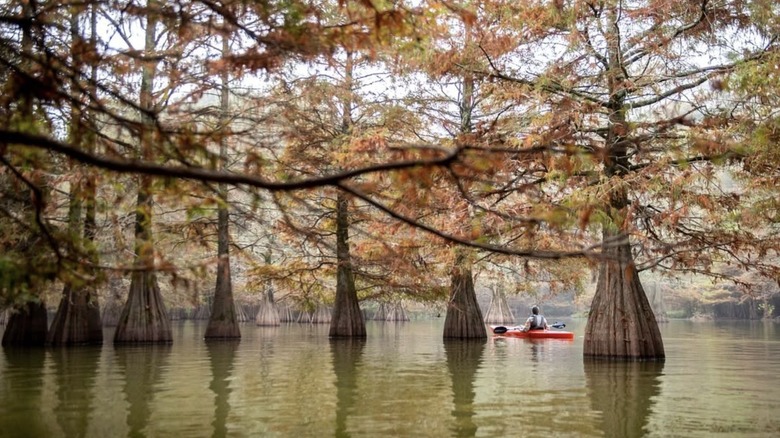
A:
{"x": 223, "y": 323}
{"x": 144, "y": 318}
{"x": 77, "y": 320}
{"x": 27, "y": 326}
{"x": 464, "y": 317}
{"x": 621, "y": 324}
{"x": 347, "y": 319}
{"x": 499, "y": 311}
{"x": 267, "y": 314}
{"x": 27, "y": 323}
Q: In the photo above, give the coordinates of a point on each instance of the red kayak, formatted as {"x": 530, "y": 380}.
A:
{"x": 517, "y": 332}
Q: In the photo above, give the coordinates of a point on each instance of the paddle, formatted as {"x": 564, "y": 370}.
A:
{"x": 501, "y": 329}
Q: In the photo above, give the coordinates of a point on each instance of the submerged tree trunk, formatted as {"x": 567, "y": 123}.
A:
{"x": 26, "y": 326}
{"x": 77, "y": 320}
{"x": 621, "y": 324}
{"x": 464, "y": 317}
{"x": 499, "y": 311}
{"x": 223, "y": 323}
{"x": 144, "y": 318}
{"x": 267, "y": 314}
{"x": 27, "y": 323}
{"x": 347, "y": 319}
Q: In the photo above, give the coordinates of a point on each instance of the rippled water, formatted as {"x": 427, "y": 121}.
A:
{"x": 719, "y": 378}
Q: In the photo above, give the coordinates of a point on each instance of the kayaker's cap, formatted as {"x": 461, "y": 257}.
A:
{"x": 535, "y": 310}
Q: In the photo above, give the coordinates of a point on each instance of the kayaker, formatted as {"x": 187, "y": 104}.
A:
{"x": 535, "y": 321}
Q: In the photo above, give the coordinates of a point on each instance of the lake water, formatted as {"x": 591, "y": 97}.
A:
{"x": 719, "y": 378}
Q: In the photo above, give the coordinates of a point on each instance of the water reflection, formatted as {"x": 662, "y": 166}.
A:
{"x": 464, "y": 358}
{"x": 75, "y": 370}
{"x": 221, "y": 357}
{"x": 346, "y": 354}
{"x": 537, "y": 350}
{"x": 143, "y": 366}
{"x": 21, "y": 392}
{"x": 623, "y": 393}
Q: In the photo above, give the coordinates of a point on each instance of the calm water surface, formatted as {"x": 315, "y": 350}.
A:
{"x": 718, "y": 379}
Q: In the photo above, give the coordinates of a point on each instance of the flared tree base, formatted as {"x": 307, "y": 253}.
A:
{"x": 621, "y": 324}
{"x": 77, "y": 321}
{"x": 144, "y": 318}
{"x": 464, "y": 317}
{"x": 26, "y": 326}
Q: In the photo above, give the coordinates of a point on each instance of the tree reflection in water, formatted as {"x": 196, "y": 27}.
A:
{"x": 624, "y": 394}
{"x": 464, "y": 358}
{"x": 221, "y": 356}
{"x": 76, "y": 370}
{"x": 143, "y": 367}
{"x": 346, "y": 353}
{"x": 22, "y": 384}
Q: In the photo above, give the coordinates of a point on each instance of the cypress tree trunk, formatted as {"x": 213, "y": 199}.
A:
{"x": 223, "y": 323}
{"x": 144, "y": 318}
{"x": 499, "y": 311}
{"x": 267, "y": 313}
{"x": 77, "y": 320}
{"x": 26, "y": 326}
{"x": 464, "y": 317}
{"x": 347, "y": 320}
{"x": 621, "y": 324}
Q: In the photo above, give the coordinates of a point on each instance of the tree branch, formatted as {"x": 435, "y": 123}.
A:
{"x": 588, "y": 252}
{"x": 14, "y": 139}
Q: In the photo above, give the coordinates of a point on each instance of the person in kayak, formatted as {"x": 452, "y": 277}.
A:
{"x": 535, "y": 321}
